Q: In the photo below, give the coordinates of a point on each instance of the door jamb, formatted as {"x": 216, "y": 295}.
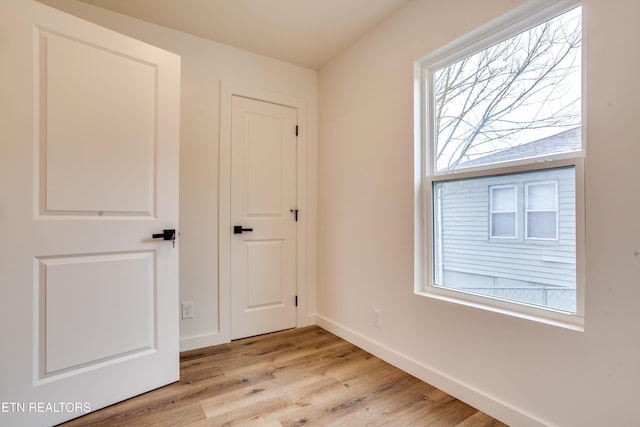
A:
{"x": 227, "y": 92}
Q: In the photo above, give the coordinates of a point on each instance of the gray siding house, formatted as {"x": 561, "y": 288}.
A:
{"x": 511, "y": 236}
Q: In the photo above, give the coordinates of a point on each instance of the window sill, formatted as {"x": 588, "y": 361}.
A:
{"x": 545, "y": 316}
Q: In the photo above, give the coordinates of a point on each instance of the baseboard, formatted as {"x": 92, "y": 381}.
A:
{"x": 308, "y": 320}
{"x": 200, "y": 341}
{"x": 208, "y": 340}
{"x": 449, "y": 385}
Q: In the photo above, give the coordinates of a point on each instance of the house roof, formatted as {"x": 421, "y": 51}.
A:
{"x": 569, "y": 140}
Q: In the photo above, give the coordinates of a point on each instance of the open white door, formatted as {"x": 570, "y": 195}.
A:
{"x": 263, "y": 213}
{"x": 88, "y": 173}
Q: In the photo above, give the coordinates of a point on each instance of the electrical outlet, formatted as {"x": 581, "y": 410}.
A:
{"x": 377, "y": 318}
{"x": 187, "y": 310}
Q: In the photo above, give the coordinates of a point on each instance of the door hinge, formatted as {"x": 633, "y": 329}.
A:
{"x": 296, "y": 130}
{"x": 296, "y": 300}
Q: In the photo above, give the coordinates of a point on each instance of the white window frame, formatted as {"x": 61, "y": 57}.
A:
{"x": 527, "y": 210}
{"x": 514, "y": 211}
{"x": 519, "y": 19}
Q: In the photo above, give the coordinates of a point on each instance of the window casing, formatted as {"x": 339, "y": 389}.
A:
{"x": 536, "y": 211}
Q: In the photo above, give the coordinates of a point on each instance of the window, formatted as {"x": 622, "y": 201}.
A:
{"x": 542, "y": 210}
{"x": 502, "y": 218}
{"x": 500, "y": 167}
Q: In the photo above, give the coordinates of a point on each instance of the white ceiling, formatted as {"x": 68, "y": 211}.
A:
{"x": 303, "y": 32}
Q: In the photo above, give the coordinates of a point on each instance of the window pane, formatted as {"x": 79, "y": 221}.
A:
{"x": 541, "y": 225}
{"x": 518, "y": 99}
{"x": 503, "y": 225}
{"x": 533, "y": 272}
{"x": 541, "y": 196}
{"x": 504, "y": 199}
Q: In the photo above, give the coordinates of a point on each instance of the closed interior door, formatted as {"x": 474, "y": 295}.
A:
{"x": 263, "y": 216}
{"x": 89, "y": 172}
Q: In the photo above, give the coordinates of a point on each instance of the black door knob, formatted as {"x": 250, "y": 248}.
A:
{"x": 238, "y": 229}
{"x": 169, "y": 234}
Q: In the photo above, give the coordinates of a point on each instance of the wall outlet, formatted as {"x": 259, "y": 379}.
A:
{"x": 187, "y": 310}
{"x": 377, "y": 318}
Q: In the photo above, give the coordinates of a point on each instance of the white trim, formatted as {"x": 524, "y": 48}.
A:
{"x": 488, "y": 404}
{"x": 201, "y": 341}
{"x": 227, "y": 91}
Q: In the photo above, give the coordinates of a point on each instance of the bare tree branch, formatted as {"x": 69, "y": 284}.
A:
{"x": 488, "y": 99}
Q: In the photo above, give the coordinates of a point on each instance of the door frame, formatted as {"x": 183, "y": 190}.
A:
{"x": 227, "y": 92}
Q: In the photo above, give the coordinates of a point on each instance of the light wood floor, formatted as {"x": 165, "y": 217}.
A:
{"x": 299, "y": 377}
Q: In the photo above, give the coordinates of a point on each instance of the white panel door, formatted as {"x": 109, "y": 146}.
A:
{"x": 263, "y": 203}
{"x": 88, "y": 173}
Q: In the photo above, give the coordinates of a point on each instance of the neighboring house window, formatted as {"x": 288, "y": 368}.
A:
{"x": 500, "y": 139}
{"x": 541, "y": 201}
{"x": 502, "y": 218}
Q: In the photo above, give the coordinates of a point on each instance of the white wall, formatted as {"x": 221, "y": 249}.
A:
{"x": 205, "y": 64}
{"x": 523, "y": 372}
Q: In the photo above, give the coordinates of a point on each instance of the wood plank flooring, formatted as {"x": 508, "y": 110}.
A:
{"x": 299, "y": 377}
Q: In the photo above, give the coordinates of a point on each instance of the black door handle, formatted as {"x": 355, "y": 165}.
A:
{"x": 237, "y": 229}
{"x": 165, "y": 235}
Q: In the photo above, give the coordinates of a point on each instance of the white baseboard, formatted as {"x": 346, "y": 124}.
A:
{"x": 449, "y": 385}
{"x": 208, "y": 340}
{"x": 200, "y": 341}
{"x": 308, "y": 320}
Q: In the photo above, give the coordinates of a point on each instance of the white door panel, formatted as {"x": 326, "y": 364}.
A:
{"x": 265, "y": 278}
{"x": 263, "y": 195}
{"x": 88, "y": 172}
{"x": 109, "y": 99}
{"x": 106, "y": 286}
